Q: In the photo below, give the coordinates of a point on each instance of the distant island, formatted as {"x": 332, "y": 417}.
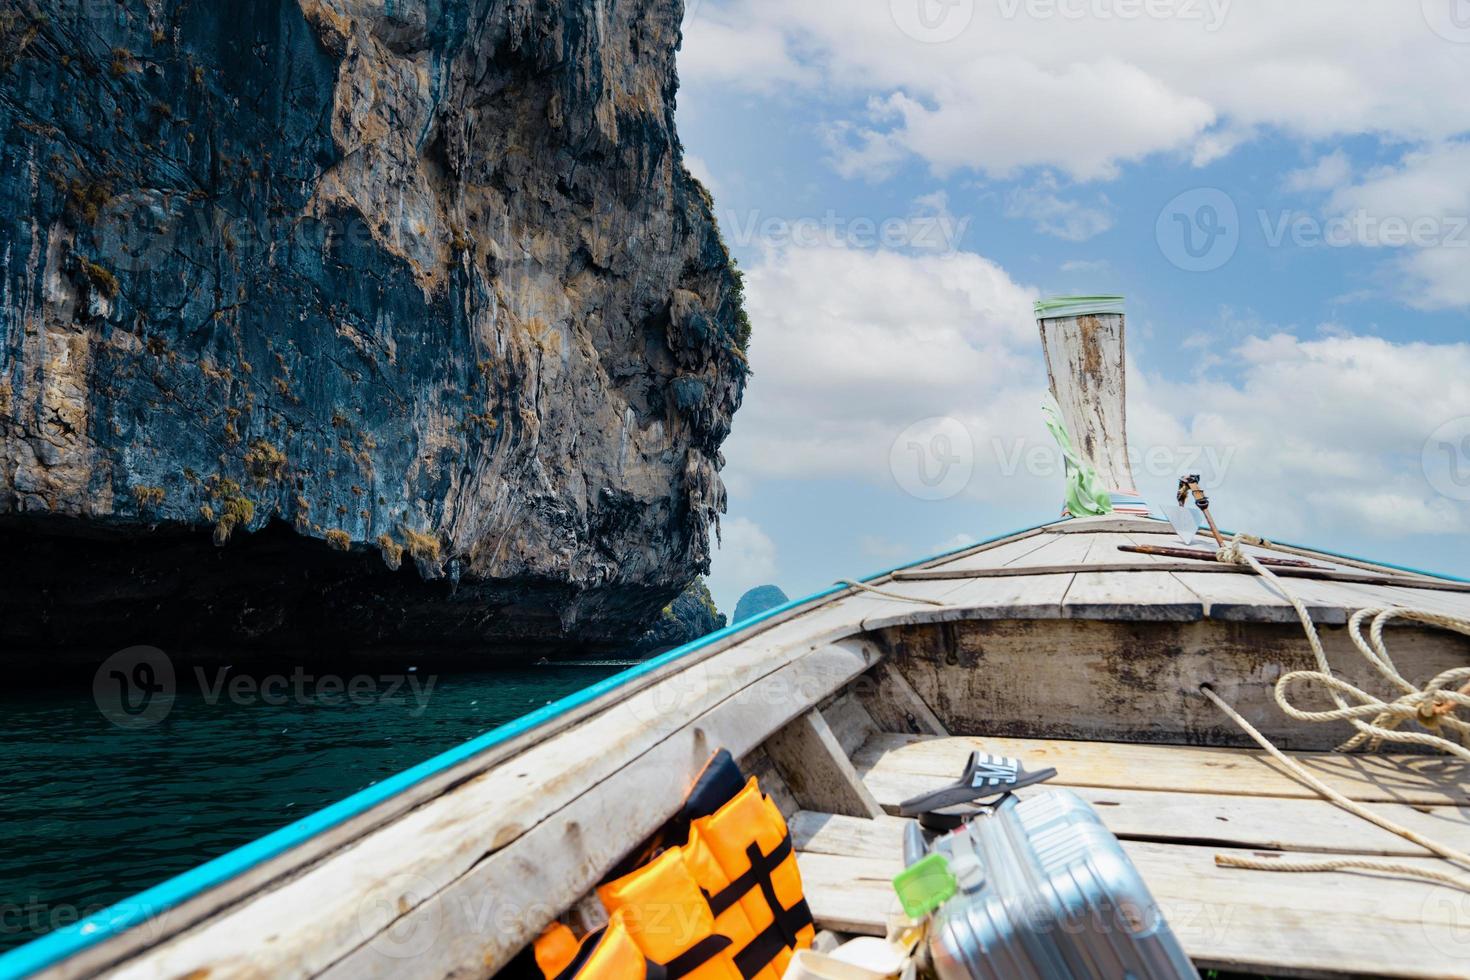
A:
{"x": 757, "y": 601}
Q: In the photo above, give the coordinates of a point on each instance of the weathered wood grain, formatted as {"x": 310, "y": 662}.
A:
{"x": 1032, "y": 597}
{"x": 1060, "y": 549}
{"x": 894, "y": 706}
{"x": 1248, "y": 598}
{"x": 888, "y": 763}
{"x": 1136, "y": 681}
{"x": 817, "y": 769}
{"x": 978, "y": 547}
{"x": 483, "y": 918}
{"x": 1140, "y": 597}
{"x": 998, "y": 554}
{"x": 848, "y": 717}
{"x": 1085, "y": 364}
{"x": 1126, "y": 524}
{"x": 756, "y": 763}
{"x": 333, "y": 908}
{"x": 1125, "y": 566}
{"x": 1281, "y": 823}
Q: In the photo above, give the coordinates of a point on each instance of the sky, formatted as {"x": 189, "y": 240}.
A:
{"x": 1281, "y": 191}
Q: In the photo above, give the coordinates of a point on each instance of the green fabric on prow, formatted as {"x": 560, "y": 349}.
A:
{"x": 1086, "y": 496}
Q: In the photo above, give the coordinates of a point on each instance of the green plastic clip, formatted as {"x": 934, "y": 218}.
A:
{"x": 924, "y": 886}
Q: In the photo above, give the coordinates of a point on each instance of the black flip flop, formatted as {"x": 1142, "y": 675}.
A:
{"x": 985, "y": 776}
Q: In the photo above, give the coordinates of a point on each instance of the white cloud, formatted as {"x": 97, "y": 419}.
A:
{"x": 1427, "y": 182}
{"x": 953, "y": 543}
{"x": 1437, "y": 279}
{"x": 1420, "y": 207}
{"x": 853, "y": 346}
{"x": 1052, "y": 214}
{"x": 1321, "y": 436}
{"x": 701, "y": 172}
{"x": 1302, "y": 437}
{"x": 753, "y": 56}
{"x": 1327, "y": 174}
{"x": 1097, "y": 116}
{"x": 1027, "y": 85}
{"x": 746, "y": 558}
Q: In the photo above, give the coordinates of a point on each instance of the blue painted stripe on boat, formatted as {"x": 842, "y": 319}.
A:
{"x": 70, "y": 940}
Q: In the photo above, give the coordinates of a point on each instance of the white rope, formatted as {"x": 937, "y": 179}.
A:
{"x": 888, "y": 595}
{"x": 1351, "y": 806}
{"x": 1432, "y": 706}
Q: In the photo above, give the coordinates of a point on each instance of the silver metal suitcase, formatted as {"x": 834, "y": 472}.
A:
{"x": 1046, "y": 891}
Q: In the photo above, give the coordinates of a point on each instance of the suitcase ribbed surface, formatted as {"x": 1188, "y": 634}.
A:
{"x": 1059, "y": 899}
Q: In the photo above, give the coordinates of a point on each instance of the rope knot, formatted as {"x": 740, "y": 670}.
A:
{"x": 1233, "y": 553}
{"x": 1432, "y": 708}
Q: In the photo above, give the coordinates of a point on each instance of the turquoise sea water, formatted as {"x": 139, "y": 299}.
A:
{"x": 95, "y": 811}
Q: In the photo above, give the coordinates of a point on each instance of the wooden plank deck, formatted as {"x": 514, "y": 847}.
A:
{"x": 475, "y": 826}
{"x": 1082, "y": 557}
{"x": 1175, "y": 808}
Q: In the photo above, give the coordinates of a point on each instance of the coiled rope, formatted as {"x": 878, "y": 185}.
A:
{"x": 1432, "y": 706}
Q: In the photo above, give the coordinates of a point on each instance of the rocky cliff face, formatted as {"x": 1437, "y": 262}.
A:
{"x": 353, "y": 322}
{"x": 691, "y": 616}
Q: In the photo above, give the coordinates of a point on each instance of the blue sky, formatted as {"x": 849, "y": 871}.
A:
{"x": 901, "y": 178}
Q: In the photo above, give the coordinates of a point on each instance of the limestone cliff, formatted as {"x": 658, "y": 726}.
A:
{"x": 353, "y": 322}
{"x": 689, "y": 617}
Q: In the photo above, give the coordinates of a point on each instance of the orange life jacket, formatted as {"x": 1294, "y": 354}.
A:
{"x": 607, "y": 954}
{"x": 725, "y": 905}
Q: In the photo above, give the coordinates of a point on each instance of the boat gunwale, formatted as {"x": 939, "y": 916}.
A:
{"x": 101, "y": 940}
{"x": 212, "y": 888}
